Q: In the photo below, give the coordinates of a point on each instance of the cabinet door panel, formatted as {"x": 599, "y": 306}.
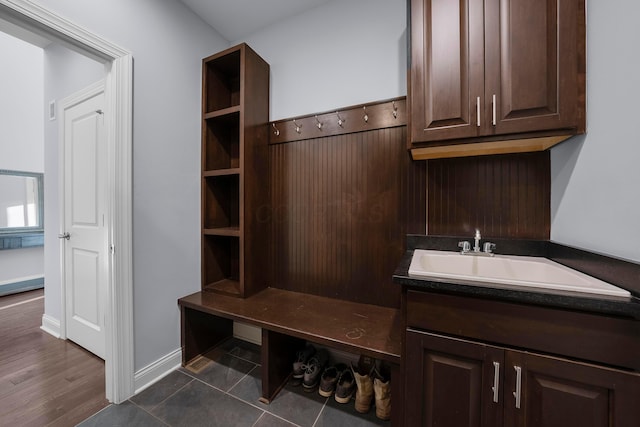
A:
{"x": 449, "y": 382}
{"x": 447, "y": 71}
{"x": 558, "y": 393}
{"x": 531, "y": 64}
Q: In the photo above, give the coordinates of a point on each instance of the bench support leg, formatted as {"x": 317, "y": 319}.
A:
{"x": 201, "y": 332}
{"x": 278, "y": 354}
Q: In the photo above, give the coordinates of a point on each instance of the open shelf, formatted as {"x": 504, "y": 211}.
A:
{"x": 225, "y": 286}
{"x": 221, "y": 142}
{"x": 222, "y": 82}
{"x": 221, "y": 264}
{"x": 220, "y": 172}
{"x": 221, "y": 201}
{"x": 223, "y": 231}
{"x": 221, "y": 114}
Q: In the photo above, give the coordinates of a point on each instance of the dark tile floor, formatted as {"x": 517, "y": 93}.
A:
{"x": 225, "y": 393}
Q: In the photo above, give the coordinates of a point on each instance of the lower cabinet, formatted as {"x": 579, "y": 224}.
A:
{"x": 454, "y": 382}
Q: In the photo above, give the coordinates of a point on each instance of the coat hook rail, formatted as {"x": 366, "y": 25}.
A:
{"x": 358, "y": 118}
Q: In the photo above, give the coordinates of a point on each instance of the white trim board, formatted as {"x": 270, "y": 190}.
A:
{"x": 119, "y": 366}
{"x": 50, "y": 325}
{"x": 157, "y": 370}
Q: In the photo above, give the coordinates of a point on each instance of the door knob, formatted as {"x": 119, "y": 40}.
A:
{"x": 64, "y": 236}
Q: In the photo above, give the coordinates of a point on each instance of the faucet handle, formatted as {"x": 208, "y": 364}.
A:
{"x": 466, "y": 246}
{"x": 478, "y": 236}
{"x": 488, "y": 247}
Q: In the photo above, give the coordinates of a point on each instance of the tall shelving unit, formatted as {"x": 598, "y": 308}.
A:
{"x": 235, "y": 171}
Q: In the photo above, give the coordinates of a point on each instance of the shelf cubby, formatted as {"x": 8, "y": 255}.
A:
{"x": 222, "y": 82}
{"x": 221, "y": 197}
{"x": 221, "y": 139}
{"x": 221, "y": 264}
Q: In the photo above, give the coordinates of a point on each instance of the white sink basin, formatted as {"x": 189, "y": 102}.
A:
{"x": 508, "y": 272}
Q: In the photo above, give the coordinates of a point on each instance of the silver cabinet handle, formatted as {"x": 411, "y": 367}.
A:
{"x": 517, "y": 393}
{"x": 66, "y": 236}
{"x": 496, "y": 381}
{"x": 493, "y": 106}
{"x": 478, "y": 111}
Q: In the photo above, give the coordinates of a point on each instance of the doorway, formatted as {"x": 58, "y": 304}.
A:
{"x": 32, "y": 18}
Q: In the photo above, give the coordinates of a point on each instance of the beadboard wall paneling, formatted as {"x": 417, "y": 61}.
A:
{"x": 503, "y": 196}
{"x": 340, "y": 212}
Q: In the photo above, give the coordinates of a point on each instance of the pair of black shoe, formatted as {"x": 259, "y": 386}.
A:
{"x": 339, "y": 379}
{"x": 308, "y": 366}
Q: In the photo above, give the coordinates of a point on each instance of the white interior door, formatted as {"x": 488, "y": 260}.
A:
{"x": 84, "y": 222}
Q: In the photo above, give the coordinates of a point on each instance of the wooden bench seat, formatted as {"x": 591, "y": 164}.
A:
{"x": 288, "y": 319}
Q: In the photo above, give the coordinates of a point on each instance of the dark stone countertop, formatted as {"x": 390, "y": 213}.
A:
{"x": 624, "y": 272}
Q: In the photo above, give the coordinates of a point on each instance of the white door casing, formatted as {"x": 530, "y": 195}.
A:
{"x": 119, "y": 367}
{"x": 84, "y": 215}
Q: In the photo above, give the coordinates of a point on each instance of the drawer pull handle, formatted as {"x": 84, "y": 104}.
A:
{"x": 517, "y": 393}
{"x": 493, "y": 107}
{"x": 496, "y": 381}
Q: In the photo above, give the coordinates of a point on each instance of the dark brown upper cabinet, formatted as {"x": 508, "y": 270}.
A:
{"x": 495, "y": 76}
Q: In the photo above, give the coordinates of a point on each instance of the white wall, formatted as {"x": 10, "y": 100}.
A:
{"x": 65, "y": 72}
{"x": 17, "y": 265}
{"x": 21, "y": 137}
{"x": 595, "y": 179}
{"x": 168, "y": 43}
{"x": 343, "y": 53}
{"x": 21, "y": 89}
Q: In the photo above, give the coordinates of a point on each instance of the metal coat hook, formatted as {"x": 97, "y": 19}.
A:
{"x": 297, "y": 126}
{"x": 395, "y": 110}
{"x": 340, "y": 120}
{"x": 366, "y": 116}
{"x": 318, "y": 123}
{"x": 276, "y": 132}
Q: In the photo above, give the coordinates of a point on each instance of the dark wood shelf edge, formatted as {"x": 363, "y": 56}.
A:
{"x": 234, "y": 109}
{"x": 221, "y": 172}
{"x": 257, "y": 309}
{"x": 222, "y": 231}
{"x": 227, "y": 287}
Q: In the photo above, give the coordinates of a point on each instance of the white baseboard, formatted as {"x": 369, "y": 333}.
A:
{"x": 50, "y": 325}
{"x": 245, "y": 332}
{"x": 157, "y": 370}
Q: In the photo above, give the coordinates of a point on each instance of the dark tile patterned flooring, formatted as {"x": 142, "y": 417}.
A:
{"x": 226, "y": 393}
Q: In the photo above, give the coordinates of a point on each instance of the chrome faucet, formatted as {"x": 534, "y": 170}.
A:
{"x": 487, "y": 248}
{"x": 476, "y": 239}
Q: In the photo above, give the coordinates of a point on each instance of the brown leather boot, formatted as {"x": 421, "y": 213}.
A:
{"x": 363, "y": 375}
{"x": 382, "y": 390}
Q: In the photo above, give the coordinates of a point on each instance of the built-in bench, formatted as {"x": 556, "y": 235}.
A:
{"x": 288, "y": 319}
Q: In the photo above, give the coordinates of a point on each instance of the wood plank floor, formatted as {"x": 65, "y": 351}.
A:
{"x": 44, "y": 381}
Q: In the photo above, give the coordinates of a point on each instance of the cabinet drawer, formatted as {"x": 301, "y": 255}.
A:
{"x": 602, "y": 339}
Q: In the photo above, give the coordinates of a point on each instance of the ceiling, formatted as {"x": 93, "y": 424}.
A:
{"x": 235, "y": 19}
